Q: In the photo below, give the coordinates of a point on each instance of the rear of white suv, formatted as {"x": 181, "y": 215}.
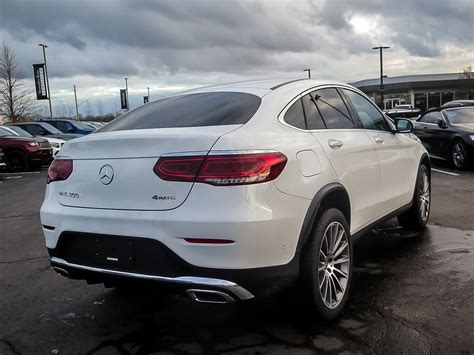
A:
{"x": 234, "y": 191}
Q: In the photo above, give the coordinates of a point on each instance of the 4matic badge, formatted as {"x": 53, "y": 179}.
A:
{"x": 164, "y": 198}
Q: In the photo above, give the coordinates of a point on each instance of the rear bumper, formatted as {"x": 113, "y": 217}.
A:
{"x": 78, "y": 257}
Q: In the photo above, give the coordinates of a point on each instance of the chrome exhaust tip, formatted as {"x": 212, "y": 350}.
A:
{"x": 62, "y": 272}
{"x": 209, "y": 296}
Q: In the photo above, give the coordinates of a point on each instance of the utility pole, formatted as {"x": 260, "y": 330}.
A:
{"x": 309, "y": 72}
{"x": 382, "y": 87}
{"x": 148, "y": 89}
{"x": 47, "y": 78}
{"x": 126, "y": 91}
{"x": 77, "y": 107}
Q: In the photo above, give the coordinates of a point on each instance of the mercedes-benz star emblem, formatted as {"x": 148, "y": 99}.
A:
{"x": 106, "y": 174}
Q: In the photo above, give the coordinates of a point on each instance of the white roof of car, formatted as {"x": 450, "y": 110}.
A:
{"x": 263, "y": 87}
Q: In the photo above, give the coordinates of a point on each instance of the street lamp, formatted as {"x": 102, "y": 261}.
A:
{"x": 47, "y": 78}
{"x": 148, "y": 89}
{"x": 382, "y": 87}
{"x": 126, "y": 91}
{"x": 309, "y": 72}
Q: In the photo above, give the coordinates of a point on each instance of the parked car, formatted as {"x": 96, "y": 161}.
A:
{"x": 22, "y": 153}
{"x": 404, "y": 111}
{"x": 235, "y": 191}
{"x": 43, "y": 129}
{"x": 56, "y": 144}
{"x": 448, "y": 133}
{"x": 70, "y": 126}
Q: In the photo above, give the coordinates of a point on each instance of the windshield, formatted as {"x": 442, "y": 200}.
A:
{"x": 461, "y": 115}
{"x": 5, "y": 131}
{"x": 20, "y": 131}
{"x": 81, "y": 125}
{"x": 50, "y": 128}
{"x": 191, "y": 110}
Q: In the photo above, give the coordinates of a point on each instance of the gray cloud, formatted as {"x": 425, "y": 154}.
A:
{"x": 189, "y": 43}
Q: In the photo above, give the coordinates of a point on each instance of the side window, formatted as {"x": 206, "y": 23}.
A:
{"x": 313, "y": 117}
{"x": 31, "y": 129}
{"x": 333, "y": 110}
{"x": 295, "y": 116}
{"x": 430, "y": 117}
{"x": 62, "y": 126}
{"x": 369, "y": 116}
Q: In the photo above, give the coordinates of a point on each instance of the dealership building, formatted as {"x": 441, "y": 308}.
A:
{"x": 421, "y": 91}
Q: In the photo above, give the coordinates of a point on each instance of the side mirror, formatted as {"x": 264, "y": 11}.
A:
{"x": 42, "y": 133}
{"x": 403, "y": 125}
{"x": 441, "y": 123}
{"x": 70, "y": 130}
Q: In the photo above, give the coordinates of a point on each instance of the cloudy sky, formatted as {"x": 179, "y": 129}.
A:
{"x": 176, "y": 45}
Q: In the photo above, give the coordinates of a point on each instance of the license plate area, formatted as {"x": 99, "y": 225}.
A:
{"x": 114, "y": 252}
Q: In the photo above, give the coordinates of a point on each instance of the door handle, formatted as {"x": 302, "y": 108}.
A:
{"x": 334, "y": 143}
{"x": 378, "y": 140}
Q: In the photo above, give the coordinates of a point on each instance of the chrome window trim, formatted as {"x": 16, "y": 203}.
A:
{"x": 282, "y": 113}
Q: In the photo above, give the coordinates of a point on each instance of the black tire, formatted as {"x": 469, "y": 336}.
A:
{"x": 460, "y": 155}
{"x": 313, "y": 262}
{"x": 17, "y": 161}
{"x": 417, "y": 217}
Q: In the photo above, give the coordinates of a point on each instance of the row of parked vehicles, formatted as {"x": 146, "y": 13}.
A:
{"x": 447, "y": 132}
{"x": 27, "y": 145}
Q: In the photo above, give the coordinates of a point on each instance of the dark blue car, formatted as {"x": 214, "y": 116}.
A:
{"x": 70, "y": 126}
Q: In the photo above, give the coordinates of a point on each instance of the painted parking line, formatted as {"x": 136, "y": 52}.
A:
{"x": 445, "y": 172}
{"x": 13, "y": 177}
{"x": 22, "y": 173}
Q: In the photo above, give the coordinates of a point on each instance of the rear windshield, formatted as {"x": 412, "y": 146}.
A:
{"x": 192, "y": 110}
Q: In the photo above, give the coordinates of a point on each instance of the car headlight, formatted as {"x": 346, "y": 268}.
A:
{"x": 33, "y": 144}
{"x": 55, "y": 145}
{"x": 414, "y": 137}
{"x": 471, "y": 137}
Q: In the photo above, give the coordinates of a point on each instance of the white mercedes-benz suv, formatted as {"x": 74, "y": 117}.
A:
{"x": 235, "y": 191}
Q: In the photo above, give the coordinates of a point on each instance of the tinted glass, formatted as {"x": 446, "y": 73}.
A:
{"x": 6, "y": 132}
{"x": 430, "y": 117}
{"x": 64, "y": 126}
{"x": 21, "y": 132}
{"x": 192, "y": 110}
{"x": 332, "y": 109}
{"x": 464, "y": 115}
{"x": 369, "y": 116}
{"x": 313, "y": 117}
{"x": 295, "y": 116}
{"x": 33, "y": 129}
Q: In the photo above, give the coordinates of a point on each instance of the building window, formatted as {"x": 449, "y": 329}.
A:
{"x": 446, "y": 96}
{"x": 420, "y": 102}
{"x": 434, "y": 99}
{"x": 461, "y": 95}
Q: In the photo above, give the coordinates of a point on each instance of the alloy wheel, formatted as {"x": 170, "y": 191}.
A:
{"x": 334, "y": 264}
{"x": 425, "y": 197}
{"x": 458, "y": 155}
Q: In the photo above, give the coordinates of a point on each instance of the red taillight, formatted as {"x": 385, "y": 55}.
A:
{"x": 59, "y": 170}
{"x": 234, "y": 169}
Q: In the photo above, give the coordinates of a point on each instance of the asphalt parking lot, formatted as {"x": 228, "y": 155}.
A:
{"x": 411, "y": 293}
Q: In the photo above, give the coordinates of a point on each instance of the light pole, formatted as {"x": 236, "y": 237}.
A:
{"x": 77, "y": 107}
{"x": 309, "y": 72}
{"x": 47, "y": 78}
{"x": 148, "y": 89}
{"x": 382, "y": 88}
{"x": 126, "y": 91}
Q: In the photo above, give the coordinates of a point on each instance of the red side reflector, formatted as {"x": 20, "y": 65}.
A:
{"x": 51, "y": 228}
{"x": 222, "y": 170}
{"x": 59, "y": 170}
{"x": 208, "y": 241}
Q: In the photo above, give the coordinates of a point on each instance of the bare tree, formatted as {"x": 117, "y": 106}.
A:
{"x": 16, "y": 99}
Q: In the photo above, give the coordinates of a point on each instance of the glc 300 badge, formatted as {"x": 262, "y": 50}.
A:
{"x": 106, "y": 174}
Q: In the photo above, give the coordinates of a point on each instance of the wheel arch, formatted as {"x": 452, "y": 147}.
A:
{"x": 332, "y": 195}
